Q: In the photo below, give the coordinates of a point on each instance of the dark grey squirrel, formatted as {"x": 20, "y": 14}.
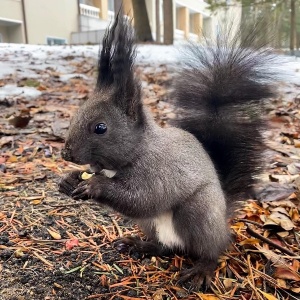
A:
{"x": 179, "y": 184}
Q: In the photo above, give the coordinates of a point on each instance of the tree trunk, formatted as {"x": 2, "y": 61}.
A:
{"x": 157, "y": 17}
{"x": 141, "y": 21}
{"x": 293, "y": 27}
{"x": 168, "y": 22}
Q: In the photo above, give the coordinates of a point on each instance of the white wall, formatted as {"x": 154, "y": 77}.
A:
{"x": 88, "y": 23}
{"x": 10, "y": 15}
{"x": 4, "y": 35}
{"x": 11, "y": 9}
{"x": 50, "y": 18}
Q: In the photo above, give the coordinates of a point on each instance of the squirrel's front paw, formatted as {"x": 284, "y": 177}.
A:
{"x": 69, "y": 182}
{"x": 82, "y": 191}
{"x": 90, "y": 188}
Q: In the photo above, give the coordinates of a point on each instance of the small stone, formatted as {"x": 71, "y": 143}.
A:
{"x": 6, "y": 253}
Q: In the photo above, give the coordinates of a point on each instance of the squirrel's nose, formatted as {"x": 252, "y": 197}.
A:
{"x": 66, "y": 154}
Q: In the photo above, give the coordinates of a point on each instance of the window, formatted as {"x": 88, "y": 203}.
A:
{"x": 56, "y": 41}
{"x": 111, "y": 5}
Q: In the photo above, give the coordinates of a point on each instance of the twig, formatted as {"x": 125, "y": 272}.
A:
{"x": 62, "y": 240}
{"x": 268, "y": 241}
{"x": 117, "y": 227}
{"x": 44, "y": 260}
{"x": 249, "y": 221}
{"x": 251, "y": 281}
{"x": 69, "y": 204}
{"x": 264, "y": 275}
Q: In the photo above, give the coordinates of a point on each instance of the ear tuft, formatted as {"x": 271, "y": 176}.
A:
{"x": 115, "y": 65}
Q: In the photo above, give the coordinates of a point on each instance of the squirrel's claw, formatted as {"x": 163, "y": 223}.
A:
{"x": 199, "y": 277}
{"x": 82, "y": 191}
{"x": 124, "y": 244}
{"x": 197, "y": 282}
{"x": 68, "y": 183}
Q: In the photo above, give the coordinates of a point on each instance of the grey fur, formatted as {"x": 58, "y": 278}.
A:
{"x": 165, "y": 180}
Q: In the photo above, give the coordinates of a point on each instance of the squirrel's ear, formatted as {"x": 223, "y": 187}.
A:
{"x": 115, "y": 67}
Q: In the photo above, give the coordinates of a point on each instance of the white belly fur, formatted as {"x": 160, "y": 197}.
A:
{"x": 165, "y": 231}
{"x": 164, "y": 228}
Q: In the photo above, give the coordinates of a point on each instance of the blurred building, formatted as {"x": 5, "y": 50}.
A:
{"x": 84, "y": 21}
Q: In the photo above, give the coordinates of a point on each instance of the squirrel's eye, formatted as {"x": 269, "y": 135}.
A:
{"x": 100, "y": 128}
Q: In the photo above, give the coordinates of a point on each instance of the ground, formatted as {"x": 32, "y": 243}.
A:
{"x": 52, "y": 247}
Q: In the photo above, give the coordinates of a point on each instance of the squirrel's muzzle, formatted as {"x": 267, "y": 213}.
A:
{"x": 66, "y": 154}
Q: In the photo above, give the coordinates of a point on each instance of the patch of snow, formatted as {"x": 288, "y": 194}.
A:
{"x": 67, "y": 77}
{"x": 11, "y": 90}
{"x": 6, "y": 69}
{"x": 39, "y": 61}
{"x": 156, "y": 54}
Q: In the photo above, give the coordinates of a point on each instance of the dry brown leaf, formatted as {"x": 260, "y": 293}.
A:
{"x": 296, "y": 290}
{"x": 6, "y": 140}
{"x": 272, "y": 256}
{"x": 279, "y": 219}
{"x": 207, "y": 296}
{"x": 267, "y": 295}
{"x": 54, "y": 234}
{"x": 158, "y": 295}
{"x": 285, "y": 273}
{"x": 19, "y": 253}
{"x": 281, "y": 283}
{"x": 283, "y": 234}
{"x": 284, "y": 178}
{"x": 285, "y": 203}
{"x": 228, "y": 283}
{"x": 12, "y": 159}
{"x": 36, "y": 202}
{"x": 19, "y": 121}
{"x": 250, "y": 241}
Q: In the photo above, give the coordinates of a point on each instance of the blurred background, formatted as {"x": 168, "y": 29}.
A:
{"x": 156, "y": 21}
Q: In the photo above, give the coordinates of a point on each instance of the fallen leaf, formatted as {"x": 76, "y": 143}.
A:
{"x": 268, "y": 296}
{"x": 70, "y": 244}
{"x": 54, "y": 234}
{"x": 207, "y": 297}
{"x": 12, "y": 159}
{"x": 158, "y": 295}
{"x": 274, "y": 191}
{"x": 228, "y": 283}
{"x": 250, "y": 241}
{"x": 279, "y": 219}
{"x": 6, "y": 140}
{"x": 19, "y": 121}
{"x": 285, "y": 273}
{"x": 36, "y": 202}
{"x": 19, "y": 253}
{"x": 285, "y": 179}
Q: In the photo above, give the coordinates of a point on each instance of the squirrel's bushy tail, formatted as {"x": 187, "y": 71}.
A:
{"x": 220, "y": 93}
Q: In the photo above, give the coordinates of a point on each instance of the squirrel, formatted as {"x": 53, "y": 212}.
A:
{"x": 181, "y": 183}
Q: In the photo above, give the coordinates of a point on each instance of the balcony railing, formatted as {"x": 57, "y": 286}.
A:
{"x": 178, "y": 34}
{"x": 89, "y": 11}
{"x": 193, "y": 37}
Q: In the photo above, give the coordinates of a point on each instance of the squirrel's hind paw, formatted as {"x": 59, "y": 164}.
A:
{"x": 135, "y": 244}
{"x": 199, "y": 277}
